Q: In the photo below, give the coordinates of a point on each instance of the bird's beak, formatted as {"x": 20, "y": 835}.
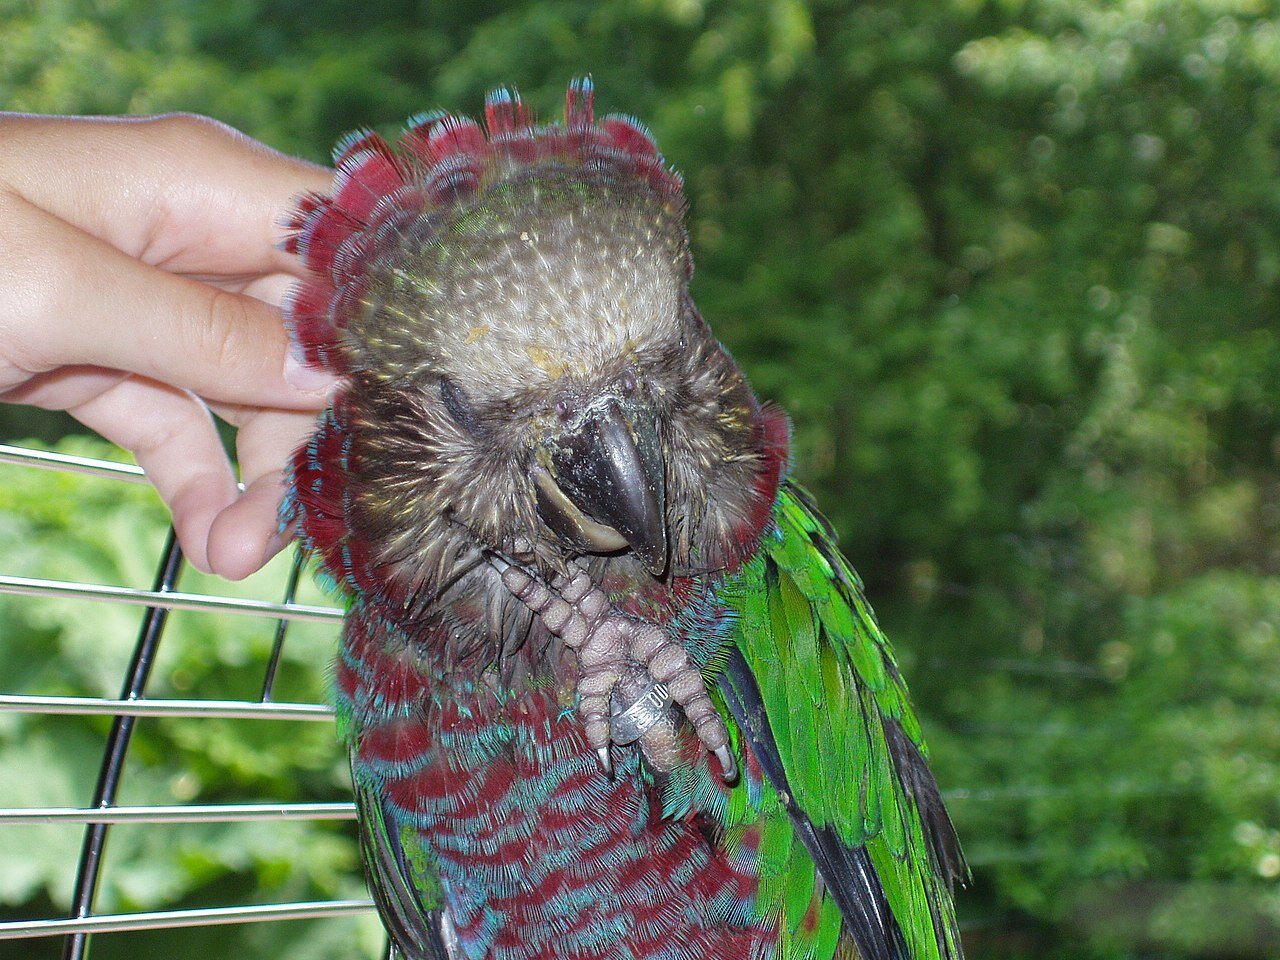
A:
{"x": 601, "y": 483}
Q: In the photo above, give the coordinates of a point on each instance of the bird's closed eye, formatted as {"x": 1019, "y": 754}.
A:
{"x": 459, "y": 407}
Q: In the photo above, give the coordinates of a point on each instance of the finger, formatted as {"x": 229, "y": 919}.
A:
{"x": 69, "y": 298}
{"x": 270, "y": 289}
{"x": 178, "y": 190}
{"x": 62, "y": 388}
{"x": 173, "y": 437}
{"x": 245, "y": 534}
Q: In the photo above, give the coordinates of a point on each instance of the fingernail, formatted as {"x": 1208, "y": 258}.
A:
{"x": 305, "y": 377}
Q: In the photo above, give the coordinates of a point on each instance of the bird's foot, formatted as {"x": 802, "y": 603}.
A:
{"x": 611, "y": 645}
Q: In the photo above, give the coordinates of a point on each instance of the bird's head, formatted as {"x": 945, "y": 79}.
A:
{"x": 528, "y": 372}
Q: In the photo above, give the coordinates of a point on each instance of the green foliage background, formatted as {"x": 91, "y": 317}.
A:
{"x": 1011, "y": 266}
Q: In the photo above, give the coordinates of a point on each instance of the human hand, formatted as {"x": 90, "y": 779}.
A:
{"x": 139, "y": 288}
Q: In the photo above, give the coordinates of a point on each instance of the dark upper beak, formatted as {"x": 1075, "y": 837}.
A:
{"x": 603, "y": 488}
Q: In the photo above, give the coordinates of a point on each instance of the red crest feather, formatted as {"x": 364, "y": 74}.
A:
{"x": 438, "y": 162}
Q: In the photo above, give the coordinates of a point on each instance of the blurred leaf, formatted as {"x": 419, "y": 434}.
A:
{"x": 1012, "y": 267}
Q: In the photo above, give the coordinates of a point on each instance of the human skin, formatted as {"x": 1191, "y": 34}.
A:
{"x": 140, "y": 285}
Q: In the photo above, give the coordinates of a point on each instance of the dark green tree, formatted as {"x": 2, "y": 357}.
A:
{"x": 1013, "y": 269}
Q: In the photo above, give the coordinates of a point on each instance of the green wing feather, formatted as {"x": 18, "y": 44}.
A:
{"x": 845, "y": 732}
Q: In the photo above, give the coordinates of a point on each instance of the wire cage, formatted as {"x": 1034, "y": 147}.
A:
{"x": 137, "y": 705}
{"x": 142, "y": 700}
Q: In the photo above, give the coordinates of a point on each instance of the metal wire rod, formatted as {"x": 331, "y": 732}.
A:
{"x": 137, "y": 674}
{"x": 33, "y": 587}
{"x": 172, "y": 919}
{"x": 282, "y": 628}
{"x": 221, "y": 709}
{"x": 187, "y": 813}
{"x": 133, "y": 704}
{"x": 67, "y": 463}
{"x": 237, "y": 812}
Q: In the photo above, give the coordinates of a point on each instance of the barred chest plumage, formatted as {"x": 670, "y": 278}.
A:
{"x": 509, "y": 827}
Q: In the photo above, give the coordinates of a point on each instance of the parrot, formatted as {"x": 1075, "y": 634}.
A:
{"x": 608, "y": 688}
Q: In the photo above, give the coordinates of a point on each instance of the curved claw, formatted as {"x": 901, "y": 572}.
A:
{"x": 728, "y": 767}
{"x": 606, "y": 764}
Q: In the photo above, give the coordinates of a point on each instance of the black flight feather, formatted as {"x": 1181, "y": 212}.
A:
{"x": 414, "y": 929}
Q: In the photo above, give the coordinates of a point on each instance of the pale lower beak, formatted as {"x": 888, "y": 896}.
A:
{"x": 604, "y": 488}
